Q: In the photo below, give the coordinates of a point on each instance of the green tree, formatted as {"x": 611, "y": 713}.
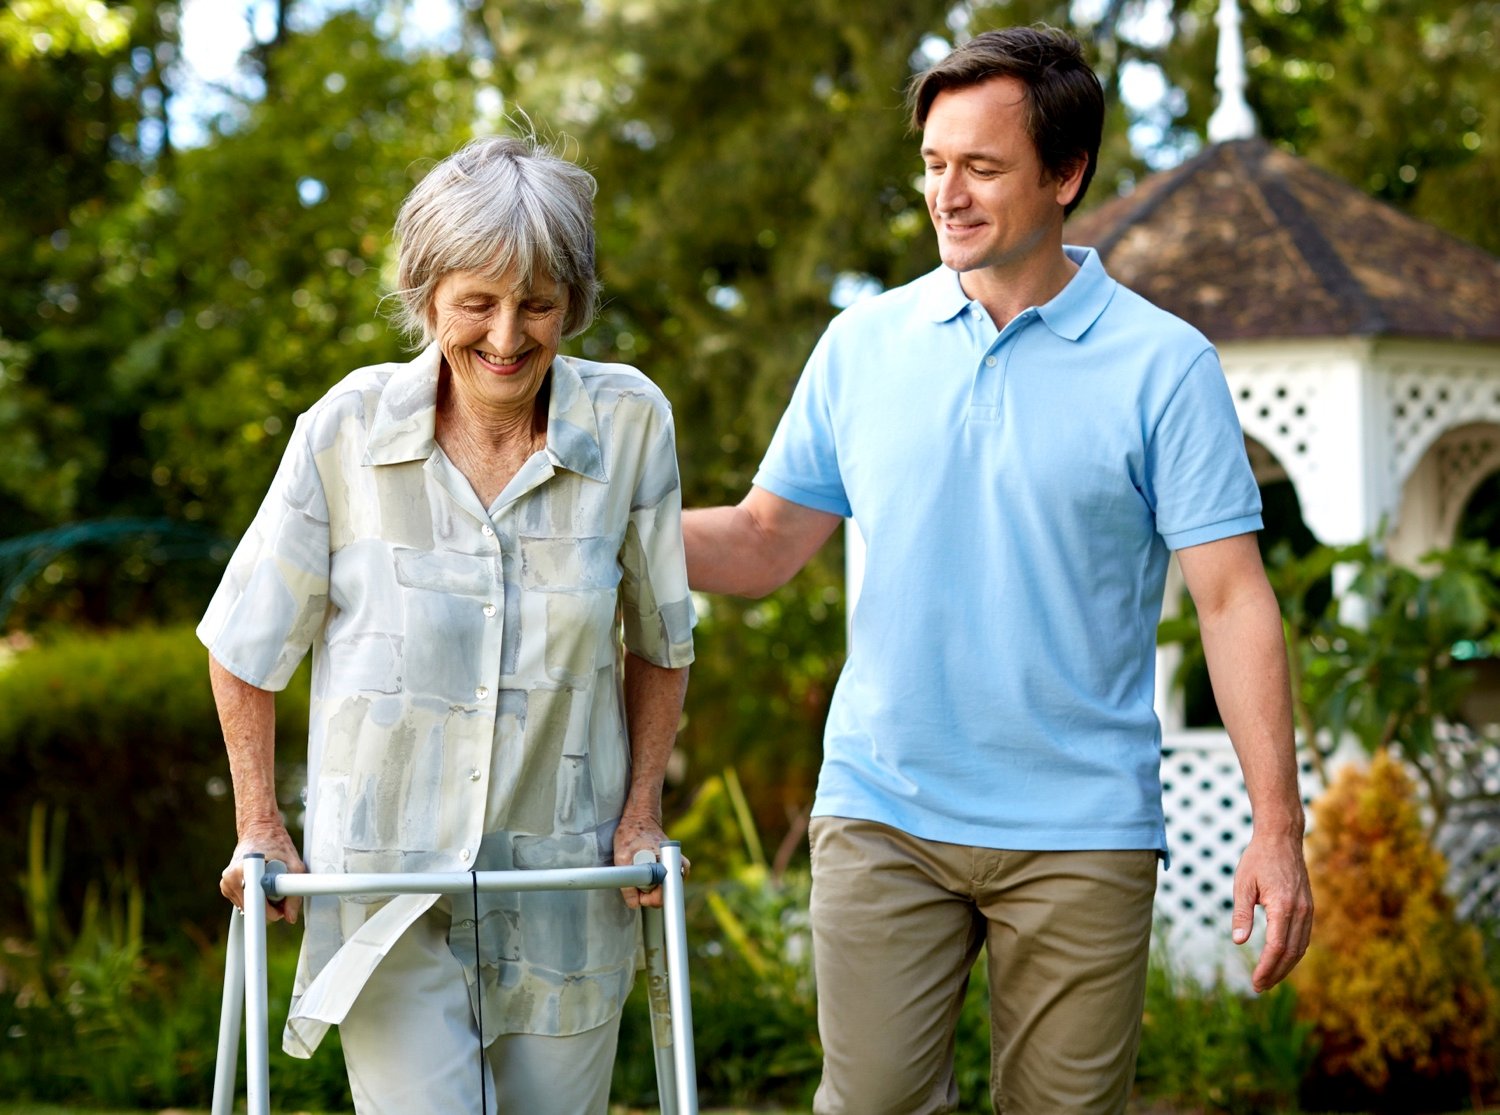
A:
{"x": 192, "y": 305}
{"x": 1398, "y": 97}
{"x": 755, "y": 170}
{"x": 80, "y": 104}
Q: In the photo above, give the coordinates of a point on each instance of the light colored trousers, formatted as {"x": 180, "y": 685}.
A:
{"x": 897, "y": 925}
{"x": 411, "y": 1044}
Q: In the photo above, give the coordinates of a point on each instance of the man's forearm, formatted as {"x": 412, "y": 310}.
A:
{"x": 1246, "y": 653}
{"x": 723, "y": 546}
{"x": 754, "y": 547}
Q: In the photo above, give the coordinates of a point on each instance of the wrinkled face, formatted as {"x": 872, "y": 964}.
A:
{"x": 498, "y": 336}
{"x": 990, "y": 200}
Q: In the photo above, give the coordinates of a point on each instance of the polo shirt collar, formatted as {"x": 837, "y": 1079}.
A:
{"x": 1069, "y": 314}
{"x": 404, "y": 427}
{"x": 942, "y": 296}
{"x": 1078, "y": 305}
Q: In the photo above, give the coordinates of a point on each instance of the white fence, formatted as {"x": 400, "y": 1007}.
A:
{"x": 1208, "y": 826}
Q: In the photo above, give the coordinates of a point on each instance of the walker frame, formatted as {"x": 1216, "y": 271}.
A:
{"x": 664, "y": 930}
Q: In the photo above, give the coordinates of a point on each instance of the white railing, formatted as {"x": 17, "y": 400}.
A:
{"x": 1208, "y": 826}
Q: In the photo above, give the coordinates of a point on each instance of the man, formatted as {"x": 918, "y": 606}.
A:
{"x": 1022, "y": 442}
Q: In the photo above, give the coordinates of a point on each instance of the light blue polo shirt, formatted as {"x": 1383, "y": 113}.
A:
{"x": 1019, "y": 492}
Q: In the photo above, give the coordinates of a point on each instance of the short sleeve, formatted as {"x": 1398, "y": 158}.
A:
{"x": 802, "y": 462}
{"x": 657, "y": 608}
{"x": 1198, "y": 476}
{"x": 274, "y": 596}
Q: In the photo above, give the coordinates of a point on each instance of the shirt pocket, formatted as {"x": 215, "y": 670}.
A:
{"x": 570, "y": 587}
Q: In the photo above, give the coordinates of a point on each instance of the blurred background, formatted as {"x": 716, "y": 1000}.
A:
{"x": 197, "y": 203}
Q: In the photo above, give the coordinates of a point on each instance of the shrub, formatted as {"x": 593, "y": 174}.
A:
{"x": 117, "y": 732}
{"x": 1393, "y": 983}
{"x": 1219, "y": 1050}
{"x": 132, "y": 1029}
{"x": 91, "y": 1012}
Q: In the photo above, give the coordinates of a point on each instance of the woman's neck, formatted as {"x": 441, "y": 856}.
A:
{"x": 492, "y": 427}
{"x": 489, "y": 445}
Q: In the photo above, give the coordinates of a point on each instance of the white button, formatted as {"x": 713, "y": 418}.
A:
{"x": 990, "y": 360}
{"x": 473, "y": 774}
{"x": 482, "y": 692}
{"x": 489, "y": 609}
{"x": 487, "y": 530}
{"x": 464, "y": 855}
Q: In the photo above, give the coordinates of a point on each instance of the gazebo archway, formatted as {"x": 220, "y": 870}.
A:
{"x": 1440, "y": 488}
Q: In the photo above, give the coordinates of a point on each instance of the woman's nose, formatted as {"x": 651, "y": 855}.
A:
{"x": 504, "y": 334}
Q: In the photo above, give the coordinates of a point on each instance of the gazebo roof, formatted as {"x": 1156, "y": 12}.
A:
{"x": 1248, "y": 242}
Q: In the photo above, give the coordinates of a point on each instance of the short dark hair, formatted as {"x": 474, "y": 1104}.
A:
{"x": 1064, "y": 99}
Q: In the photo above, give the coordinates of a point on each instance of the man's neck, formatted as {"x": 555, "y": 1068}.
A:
{"x": 1004, "y": 293}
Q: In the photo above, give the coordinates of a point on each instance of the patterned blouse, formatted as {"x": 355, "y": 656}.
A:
{"x": 466, "y": 702}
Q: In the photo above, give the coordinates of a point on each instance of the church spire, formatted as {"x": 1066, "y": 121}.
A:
{"x": 1233, "y": 118}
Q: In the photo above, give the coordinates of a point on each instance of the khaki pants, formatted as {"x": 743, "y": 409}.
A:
{"x": 411, "y": 1044}
{"x": 897, "y": 924}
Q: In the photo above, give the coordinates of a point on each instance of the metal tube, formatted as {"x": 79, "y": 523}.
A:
{"x": 462, "y": 882}
{"x": 274, "y": 882}
{"x": 257, "y": 1020}
{"x": 231, "y": 1010}
{"x": 675, "y": 915}
{"x": 658, "y": 997}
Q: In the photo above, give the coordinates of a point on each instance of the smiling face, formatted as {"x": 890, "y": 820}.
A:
{"x": 498, "y": 337}
{"x": 993, "y": 205}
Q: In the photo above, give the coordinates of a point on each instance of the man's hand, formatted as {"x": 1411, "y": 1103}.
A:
{"x": 273, "y": 842}
{"x": 1273, "y": 874}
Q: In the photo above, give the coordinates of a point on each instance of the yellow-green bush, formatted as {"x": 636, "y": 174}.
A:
{"x": 1393, "y": 983}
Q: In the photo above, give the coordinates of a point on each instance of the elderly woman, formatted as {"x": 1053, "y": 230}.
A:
{"x": 462, "y": 540}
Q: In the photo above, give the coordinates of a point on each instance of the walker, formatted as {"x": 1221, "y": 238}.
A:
{"x": 665, "y": 933}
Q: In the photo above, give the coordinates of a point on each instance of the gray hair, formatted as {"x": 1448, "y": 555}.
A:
{"x": 498, "y": 203}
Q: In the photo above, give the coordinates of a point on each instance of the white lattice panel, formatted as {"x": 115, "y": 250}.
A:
{"x": 1463, "y": 458}
{"x": 1279, "y": 408}
{"x": 1423, "y": 400}
{"x": 1470, "y": 836}
{"x": 1208, "y": 826}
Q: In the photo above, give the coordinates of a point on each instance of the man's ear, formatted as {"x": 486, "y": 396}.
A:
{"x": 1070, "y": 182}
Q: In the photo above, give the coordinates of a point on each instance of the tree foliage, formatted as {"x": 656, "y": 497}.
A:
{"x": 1399, "y": 97}
{"x": 165, "y": 313}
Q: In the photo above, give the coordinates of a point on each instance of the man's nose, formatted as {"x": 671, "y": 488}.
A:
{"x": 951, "y": 195}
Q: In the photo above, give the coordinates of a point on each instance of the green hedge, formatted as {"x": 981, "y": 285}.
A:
{"x": 116, "y": 733}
